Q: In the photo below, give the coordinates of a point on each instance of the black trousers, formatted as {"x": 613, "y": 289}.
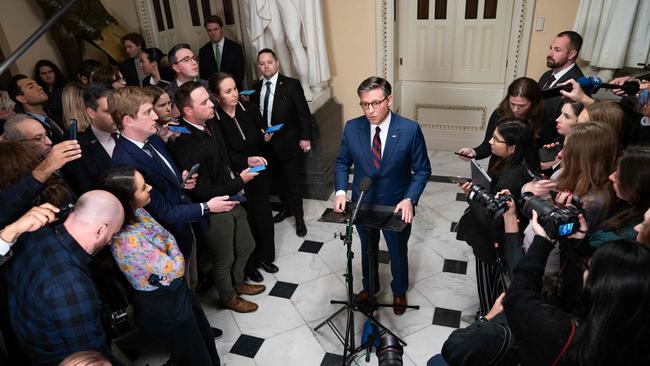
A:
{"x": 286, "y": 176}
{"x": 260, "y": 218}
{"x": 173, "y": 316}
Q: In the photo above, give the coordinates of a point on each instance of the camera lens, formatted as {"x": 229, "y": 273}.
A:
{"x": 390, "y": 351}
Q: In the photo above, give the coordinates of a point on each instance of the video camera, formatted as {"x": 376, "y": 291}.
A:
{"x": 557, "y": 222}
{"x": 497, "y": 205}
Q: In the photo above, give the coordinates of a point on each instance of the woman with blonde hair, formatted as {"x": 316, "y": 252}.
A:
{"x": 7, "y": 109}
{"x": 74, "y": 106}
{"x": 607, "y": 112}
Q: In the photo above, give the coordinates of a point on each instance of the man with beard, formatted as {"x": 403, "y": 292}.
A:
{"x": 562, "y": 55}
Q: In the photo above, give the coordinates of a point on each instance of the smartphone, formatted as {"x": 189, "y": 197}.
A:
{"x": 274, "y": 128}
{"x": 459, "y": 180}
{"x": 463, "y": 155}
{"x": 193, "y": 170}
{"x": 237, "y": 197}
{"x": 247, "y": 92}
{"x": 257, "y": 168}
{"x": 72, "y": 129}
{"x": 179, "y": 129}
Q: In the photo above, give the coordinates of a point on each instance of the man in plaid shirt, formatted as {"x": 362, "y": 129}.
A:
{"x": 54, "y": 304}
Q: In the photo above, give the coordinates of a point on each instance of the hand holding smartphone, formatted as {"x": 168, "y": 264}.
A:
{"x": 189, "y": 175}
{"x": 72, "y": 130}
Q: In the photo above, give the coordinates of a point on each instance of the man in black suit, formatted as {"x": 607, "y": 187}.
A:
{"x": 562, "y": 55}
{"x": 220, "y": 54}
{"x": 282, "y": 100}
{"x": 229, "y": 237}
{"x": 131, "y": 69}
{"x": 185, "y": 66}
{"x": 97, "y": 142}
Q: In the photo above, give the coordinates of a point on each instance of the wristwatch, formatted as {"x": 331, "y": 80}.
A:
{"x": 206, "y": 209}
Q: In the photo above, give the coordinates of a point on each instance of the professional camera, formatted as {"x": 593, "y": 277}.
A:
{"x": 497, "y": 205}
{"x": 557, "y": 222}
{"x": 389, "y": 352}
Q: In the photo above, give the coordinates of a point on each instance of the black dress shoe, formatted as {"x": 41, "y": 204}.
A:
{"x": 301, "y": 229}
{"x": 269, "y": 267}
{"x": 216, "y": 332}
{"x": 283, "y": 214}
{"x": 255, "y": 276}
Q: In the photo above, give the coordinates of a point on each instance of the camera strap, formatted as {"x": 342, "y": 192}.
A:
{"x": 566, "y": 345}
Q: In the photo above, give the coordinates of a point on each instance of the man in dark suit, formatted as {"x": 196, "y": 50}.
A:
{"x": 185, "y": 66}
{"x": 97, "y": 142}
{"x": 139, "y": 147}
{"x": 389, "y": 149}
{"x": 562, "y": 55}
{"x": 229, "y": 237}
{"x": 221, "y": 54}
{"x": 131, "y": 69}
{"x": 282, "y": 100}
{"x": 30, "y": 98}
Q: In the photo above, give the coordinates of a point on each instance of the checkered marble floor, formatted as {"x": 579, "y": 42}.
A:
{"x": 297, "y": 298}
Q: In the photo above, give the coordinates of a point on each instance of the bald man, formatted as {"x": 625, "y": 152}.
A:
{"x": 54, "y": 304}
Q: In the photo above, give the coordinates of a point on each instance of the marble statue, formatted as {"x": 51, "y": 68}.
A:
{"x": 294, "y": 30}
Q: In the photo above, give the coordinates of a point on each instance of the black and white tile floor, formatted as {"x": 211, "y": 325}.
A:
{"x": 297, "y": 298}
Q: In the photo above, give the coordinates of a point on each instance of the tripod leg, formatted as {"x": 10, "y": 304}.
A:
{"x": 373, "y": 263}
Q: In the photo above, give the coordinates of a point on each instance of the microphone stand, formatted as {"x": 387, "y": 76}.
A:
{"x": 350, "y": 305}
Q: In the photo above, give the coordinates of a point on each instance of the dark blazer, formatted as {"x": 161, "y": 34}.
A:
{"x": 170, "y": 204}
{"x": 215, "y": 159}
{"x": 405, "y": 168}
{"x": 232, "y": 61}
{"x": 83, "y": 174}
{"x": 162, "y": 83}
{"x": 290, "y": 108}
{"x": 129, "y": 72}
{"x": 553, "y": 106}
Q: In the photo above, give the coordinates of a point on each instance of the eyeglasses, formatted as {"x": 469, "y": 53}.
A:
{"x": 38, "y": 138}
{"x": 366, "y": 106}
{"x": 497, "y": 140}
{"x": 186, "y": 59}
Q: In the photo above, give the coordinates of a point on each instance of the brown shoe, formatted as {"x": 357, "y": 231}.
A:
{"x": 362, "y": 297}
{"x": 399, "y": 303}
{"x": 247, "y": 289}
{"x": 239, "y": 305}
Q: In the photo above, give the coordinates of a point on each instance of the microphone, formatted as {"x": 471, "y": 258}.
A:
{"x": 364, "y": 186}
{"x": 591, "y": 85}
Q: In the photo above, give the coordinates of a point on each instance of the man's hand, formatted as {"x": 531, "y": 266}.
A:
{"x": 256, "y": 160}
{"x": 34, "y": 219}
{"x": 406, "y": 206}
{"x": 60, "y": 154}
{"x": 549, "y": 164}
{"x": 576, "y": 94}
{"x": 221, "y": 204}
{"x": 190, "y": 183}
{"x": 539, "y": 187}
{"x": 267, "y": 136}
{"x": 165, "y": 133}
{"x": 305, "y": 145}
{"x": 246, "y": 175}
{"x": 497, "y": 308}
{"x": 468, "y": 151}
{"x": 339, "y": 203}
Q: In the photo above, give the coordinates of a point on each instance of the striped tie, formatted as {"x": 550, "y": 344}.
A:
{"x": 376, "y": 149}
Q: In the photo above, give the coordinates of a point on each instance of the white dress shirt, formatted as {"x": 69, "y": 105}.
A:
{"x": 559, "y": 74}
{"x": 104, "y": 139}
{"x": 274, "y": 82}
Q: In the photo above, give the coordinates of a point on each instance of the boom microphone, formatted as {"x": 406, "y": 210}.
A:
{"x": 365, "y": 184}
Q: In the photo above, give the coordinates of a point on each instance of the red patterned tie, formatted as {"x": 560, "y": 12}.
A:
{"x": 376, "y": 149}
{"x": 549, "y": 82}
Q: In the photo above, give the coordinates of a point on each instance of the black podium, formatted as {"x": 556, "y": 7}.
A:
{"x": 369, "y": 216}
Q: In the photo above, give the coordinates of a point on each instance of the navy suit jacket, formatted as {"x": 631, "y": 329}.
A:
{"x": 405, "y": 168}
{"x": 170, "y": 204}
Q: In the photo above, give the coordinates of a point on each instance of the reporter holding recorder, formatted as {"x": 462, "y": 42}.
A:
{"x": 480, "y": 227}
